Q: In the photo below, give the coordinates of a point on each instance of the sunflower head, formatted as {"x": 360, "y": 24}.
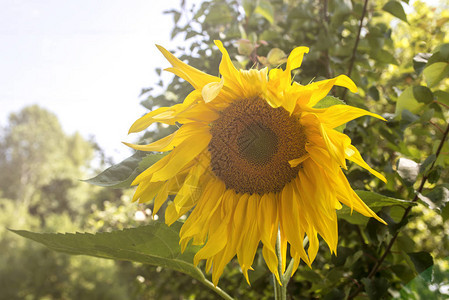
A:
{"x": 253, "y": 158}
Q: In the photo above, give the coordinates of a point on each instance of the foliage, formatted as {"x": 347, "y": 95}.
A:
{"x": 400, "y": 62}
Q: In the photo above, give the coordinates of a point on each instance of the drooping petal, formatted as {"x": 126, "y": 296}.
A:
{"x": 295, "y": 58}
{"x": 337, "y": 115}
{"x": 354, "y": 155}
{"x": 165, "y": 115}
{"x": 194, "y": 76}
{"x": 211, "y": 90}
{"x": 172, "y": 140}
{"x": 183, "y": 154}
{"x": 251, "y": 237}
{"x": 336, "y": 143}
{"x": 347, "y": 196}
{"x": 268, "y": 227}
{"x": 323, "y": 87}
{"x": 197, "y": 223}
{"x": 290, "y": 221}
{"x": 230, "y": 74}
{"x": 190, "y": 192}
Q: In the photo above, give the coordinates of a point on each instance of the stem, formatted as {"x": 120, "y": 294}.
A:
{"x": 406, "y": 213}
{"x": 441, "y": 103}
{"x": 280, "y": 291}
{"x": 217, "y": 290}
{"x": 325, "y": 18}
{"x": 277, "y": 288}
{"x": 354, "y": 50}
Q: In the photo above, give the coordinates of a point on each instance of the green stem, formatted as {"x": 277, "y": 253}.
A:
{"x": 277, "y": 288}
{"x": 217, "y": 290}
{"x": 280, "y": 291}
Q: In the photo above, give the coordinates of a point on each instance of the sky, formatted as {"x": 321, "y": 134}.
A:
{"x": 85, "y": 60}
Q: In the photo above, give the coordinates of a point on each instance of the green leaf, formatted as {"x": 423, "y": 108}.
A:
{"x": 395, "y": 8}
{"x": 219, "y": 13}
{"x": 265, "y": 9}
{"x": 444, "y": 51}
{"x": 245, "y": 47}
{"x": 426, "y": 163}
{"x": 436, "y": 72}
{"x": 383, "y": 56}
{"x": 376, "y": 288}
{"x": 435, "y": 174}
{"x": 373, "y": 92}
{"x": 439, "y": 197}
{"x": 276, "y": 56}
{"x": 328, "y": 101}
{"x": 427, "y": 116}
{"x": 122, "y": 174}
{"x": 422, "y": 94}
{"x": 442, "y": 97}
{"x": 422, "y": 261}
{"x": 248, "y": 6}
{"x": 407, "y": 118}
{"x": 445, "y": 213}
{"x": 375, "y": 201}
{"x": 408, "y": 101}
{"x": 155, "y": 244}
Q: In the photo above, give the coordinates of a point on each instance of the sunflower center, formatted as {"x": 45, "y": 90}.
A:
{"x": 252, "y": 144}
{"x": 257, "y": 143}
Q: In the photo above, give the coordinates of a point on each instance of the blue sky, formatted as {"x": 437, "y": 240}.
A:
{"x": 84, "y": 60}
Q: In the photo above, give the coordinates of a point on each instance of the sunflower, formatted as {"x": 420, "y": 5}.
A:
{"x": 253, "y": 158}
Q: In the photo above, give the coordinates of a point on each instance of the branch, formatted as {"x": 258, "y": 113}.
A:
{"x": 406, "y": 213}
{"x": 354, "y": 50}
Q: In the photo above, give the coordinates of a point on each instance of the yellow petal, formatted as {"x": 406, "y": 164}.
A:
{"x": 194, "y": 76}
{"x": 247, "y": 250}
{"x": 290, "y": 220}
{"x": 323, "y": 87}
{"x": 336, "y": 144}
{"x": 190, "y": 192}
{"x": 145, "y": 121}
{"x": 182, "y": 155}
{"x": 202, "y": 112}
{"x": 160, "y": 198}
{"x": 167, "y": 115}
{"x": 172, "y": 140}
{"x": 297, "y": 161}
{"x": 227, "y": 69}
{"x": 150, "y": 192}
{"x": 337, "y": 115}
{"x": 347, "y": 196}
{"x": 294, "y": 60}
{"x": 211, "y": 90}
{"x": 354, "y": 155}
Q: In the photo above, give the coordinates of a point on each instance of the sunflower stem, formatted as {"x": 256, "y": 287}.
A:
{"x": 280, "y": 288}
{"x": 277, "y": 288}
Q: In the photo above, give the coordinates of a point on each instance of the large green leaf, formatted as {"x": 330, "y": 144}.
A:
{"x": 265, "y": 9}
{"x": 395, "y": 8}
{"x": 122, "y": 174}
{"x": 435, "y": 72}
{"x": 422, "y": 261}
{"x": 155, "y": 244}
{"x": 407, "y": 100}
{"x": 376, "y": 202}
